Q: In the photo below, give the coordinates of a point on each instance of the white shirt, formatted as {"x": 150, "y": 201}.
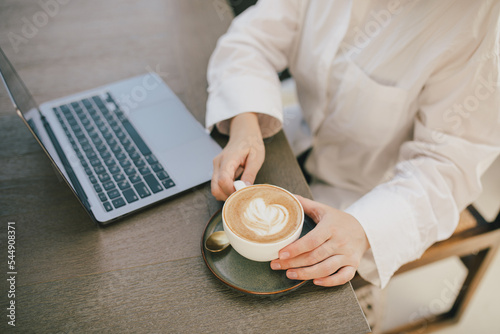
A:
{"x": 402, "y": 99}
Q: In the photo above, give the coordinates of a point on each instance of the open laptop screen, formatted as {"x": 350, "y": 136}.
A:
{"x": 19, "y": 94}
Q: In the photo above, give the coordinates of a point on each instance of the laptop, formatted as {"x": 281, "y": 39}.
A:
{"x": 120, "y": 147}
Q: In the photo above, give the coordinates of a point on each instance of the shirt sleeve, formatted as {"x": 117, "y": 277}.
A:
{"x": 456, "y": 137}
{"x": 242, "y": 72}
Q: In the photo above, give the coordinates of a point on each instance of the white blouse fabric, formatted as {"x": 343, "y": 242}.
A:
{"x": 402, "y": 99}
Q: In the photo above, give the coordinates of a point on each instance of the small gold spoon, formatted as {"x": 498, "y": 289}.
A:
{"x": 217, "y": 242}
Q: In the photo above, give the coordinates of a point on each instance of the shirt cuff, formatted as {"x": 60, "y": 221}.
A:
{"x": 391, "y": 231}
{"x": 235, "y": 96}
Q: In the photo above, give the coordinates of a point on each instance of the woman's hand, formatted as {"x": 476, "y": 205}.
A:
{"x": 243, "y": 155}
{"x": 330, "y": 253}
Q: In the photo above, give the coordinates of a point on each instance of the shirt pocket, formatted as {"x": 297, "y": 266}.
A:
{"x": 364, "y": 111}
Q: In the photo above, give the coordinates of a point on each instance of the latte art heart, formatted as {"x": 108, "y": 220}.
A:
{"x": 264, "y": 219}
{"x": 262, "y": 214}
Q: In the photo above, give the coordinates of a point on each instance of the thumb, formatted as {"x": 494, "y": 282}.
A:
{"x": 313, "y": 209}
{"x": 252, "y": 167}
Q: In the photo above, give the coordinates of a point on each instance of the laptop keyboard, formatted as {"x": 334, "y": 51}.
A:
{"x": 117, "y": 161}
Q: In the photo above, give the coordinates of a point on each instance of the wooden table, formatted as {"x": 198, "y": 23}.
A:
{"x": 144, "y": 273}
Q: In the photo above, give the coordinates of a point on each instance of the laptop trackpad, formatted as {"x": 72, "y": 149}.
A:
{"x": 166, "y": 125}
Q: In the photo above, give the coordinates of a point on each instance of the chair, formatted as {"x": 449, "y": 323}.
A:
{"x": 475, "y": 242}
{"x": 239, "y": 6}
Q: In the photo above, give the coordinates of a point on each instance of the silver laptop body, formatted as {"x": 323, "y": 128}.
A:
{"x": 120, "y": 147}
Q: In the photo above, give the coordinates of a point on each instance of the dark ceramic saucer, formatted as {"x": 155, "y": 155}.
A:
{"x": 232, "y": 269}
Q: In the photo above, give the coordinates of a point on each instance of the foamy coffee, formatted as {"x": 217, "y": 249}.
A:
{"x": 263, "y": 214}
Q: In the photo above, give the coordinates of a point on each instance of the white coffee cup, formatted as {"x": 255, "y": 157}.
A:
{"x": 258, "y": 251}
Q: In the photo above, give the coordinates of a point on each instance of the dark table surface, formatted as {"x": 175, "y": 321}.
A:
{"x": 144, "y": 273}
